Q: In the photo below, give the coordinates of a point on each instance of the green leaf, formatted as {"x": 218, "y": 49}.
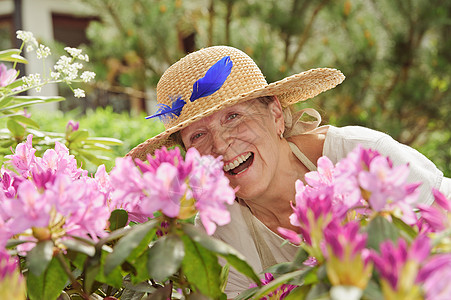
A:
{"x": 318, "y": 291}
{"x": 39, "y": 257}
{"x": 140, "y": 269}
{"x": 12, "y": 55}
{"x": 125, "y": 246}
{"x": 372, "y": 291}
{"x": 202, "y": 269}
{"x": 408, "y": 231}
{"x": 380, "y": 230}
{"x": 19, "y": 105}
{"x": 17, "y": 83}
{"x": 233, "y": 257}
{"x": 118, "y": 219}
{"x": 114, "y": 277}
{"x": 43, "y": 99}
{"x": 104, "y": 141}
{"x": 25, "y": 120}
{"x": 298, "y": 293}
{"x": 246, "y": 294}
{"x": 78, "y": 136}
{"x": 4, "y": 101}
{"x": 79, "y": 246}
{"x": 49, "y": 285}
{"x": 16, "y": 129}
{"x": 165, "y": 257}
{"x": 13, "y": 243}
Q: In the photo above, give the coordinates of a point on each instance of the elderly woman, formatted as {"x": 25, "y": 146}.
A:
{"x": 217, "y": 100}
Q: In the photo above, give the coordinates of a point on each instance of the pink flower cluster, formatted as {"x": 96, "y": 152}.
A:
{"x": 12, "y": 284}
{"x": 7, "y": 76}
{"x": 169, "y": 184}
{"x": 49, "y": 196}
{"x": 365, "y": 184}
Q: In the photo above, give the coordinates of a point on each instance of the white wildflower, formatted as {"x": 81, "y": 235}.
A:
{"x": 28, "y": 38}
{"x": 87, "y": 76}
{"x": 38, "y": 89}
{"x": 55, "y": 75}
{"x": 32, "y": 80}
{"x": 84, "y": 57}
{"x": 43, "y": 51}
{"x": 79, "y": 93}
{"x": 69, "y": 70}
{"x": 74, "y": 52}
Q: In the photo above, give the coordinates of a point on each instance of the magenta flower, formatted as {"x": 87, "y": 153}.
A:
{"x": 347, "y": 260}
{"x": 7, "y": 76}
{"x": 313, "y": 212}
{"x": 29, "y": 209}
{"x": 164, "y": 191}
{"x": 72, "y": 126}
{"x": 127, "y": 189}
{"x": 437, "y": 217}
{"x": 59, "y": 160}
{"x": 280, "y": 293}
{"x": 388, "y": 189}
{"x": 210, "y": 189}
{"x": 23, "y": 156}
{"x": 398, "y": 267}
{"x": 435, "y": 277}
{"x": 12, "y": 284}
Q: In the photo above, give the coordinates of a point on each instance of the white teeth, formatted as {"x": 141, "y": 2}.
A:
{"x": 239, "y": 160}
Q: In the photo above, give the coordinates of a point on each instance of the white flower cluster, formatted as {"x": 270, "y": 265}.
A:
{"x": 28, "y": 38}
{"x": 42, "y": 51}
{"x": 66, "y": 68}
{"x": 87, "y": 76}
{"x": 79, "y": 93}
{"x": 76, "y": 53}
{"x": 33, "y": 80}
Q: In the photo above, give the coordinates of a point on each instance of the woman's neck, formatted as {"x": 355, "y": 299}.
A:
{"x": 273, "y": 208}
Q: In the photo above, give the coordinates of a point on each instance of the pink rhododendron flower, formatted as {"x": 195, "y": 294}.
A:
{"x": 72, "y": 126}
{"x": 164, "y": 191}
{"x": 12, "y": 284}
{"x": 127, "y": 189}
{"x": 386, "y": 184}
{"x": 436, "y": 217}
{"x": 176, "y": 187}
{"x": 280, "y": 293}
{"x": 435, "y": 277}
{"x": 210, "y": 189}
{"x": 23, "y": 156}
{"x": 7, "y": 76}
{"x": 345, "y": 190}
{"x": 313, "y": 212}
{"x": 347, "y": 258}
{"x": 29, "y": 209}
{"x": 398, "y": 267}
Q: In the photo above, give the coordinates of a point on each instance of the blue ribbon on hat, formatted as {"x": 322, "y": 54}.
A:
{"x": 212, "y": 81}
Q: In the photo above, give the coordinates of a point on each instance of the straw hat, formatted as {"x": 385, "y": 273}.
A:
{"x": 244, "y": 81}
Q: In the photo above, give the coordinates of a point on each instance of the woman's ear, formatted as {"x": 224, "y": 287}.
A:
{"x": 275, "y": 109}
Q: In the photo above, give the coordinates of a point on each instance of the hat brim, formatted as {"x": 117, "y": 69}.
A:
{"x": 290, "y": 90}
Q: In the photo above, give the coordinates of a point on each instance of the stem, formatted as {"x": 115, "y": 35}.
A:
{"x": 73, "y": 280}
{"x": 21, "y": 48}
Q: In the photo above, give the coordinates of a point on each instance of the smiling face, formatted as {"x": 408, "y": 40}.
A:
{"x": 246, "y": 135}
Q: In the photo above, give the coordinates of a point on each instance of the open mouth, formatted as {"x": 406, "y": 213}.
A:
{"x": 240, "y": 164}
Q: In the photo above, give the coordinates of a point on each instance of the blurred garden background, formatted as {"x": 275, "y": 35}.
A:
{"x": 396, "y": 55}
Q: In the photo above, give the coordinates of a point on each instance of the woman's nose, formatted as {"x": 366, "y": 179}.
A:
{"x": 221, "y": 141}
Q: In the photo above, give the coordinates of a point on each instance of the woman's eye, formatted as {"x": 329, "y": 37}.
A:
{"x": 232, "y": 116}
{"x": 196, "y": 136}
